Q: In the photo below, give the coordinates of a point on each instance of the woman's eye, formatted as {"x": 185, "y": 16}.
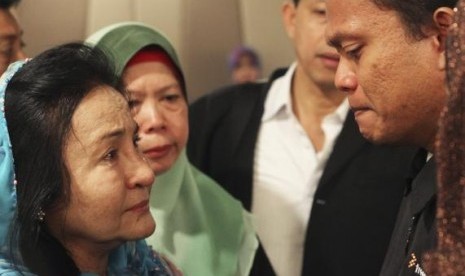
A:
{"x": 136, "y": 139}
{"x": 133, "y": 103}
{"x": 111, "y": 155}
{"x": 172, "y": 97}
{"x": 172, "y": 101}
{"x": 320, "y": 12}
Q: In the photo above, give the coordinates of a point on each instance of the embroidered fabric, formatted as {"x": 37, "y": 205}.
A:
{"x": 448, "y": 259}
{"x": 7, "y": 178}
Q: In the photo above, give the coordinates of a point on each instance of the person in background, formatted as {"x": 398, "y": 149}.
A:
{"x": 11, "y": 43}
{"x": 244, "y": 65}
{"x": 203, "y": 229}
{"x": 324, "y": 198}
{"x": 393, "y": 74}
{"x": 74, "y": 188}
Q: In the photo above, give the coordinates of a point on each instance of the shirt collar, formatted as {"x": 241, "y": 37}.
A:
{"x": 279, "y": 98}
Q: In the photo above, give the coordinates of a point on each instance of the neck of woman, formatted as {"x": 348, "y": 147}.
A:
{"x": 92, "y": 259}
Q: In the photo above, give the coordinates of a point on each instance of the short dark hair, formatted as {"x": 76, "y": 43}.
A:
{"x": 40, "y": 101}
{"x": 415, "y": 14}
{"x": 6, "y": 4}
{"x": 296, "y": 2}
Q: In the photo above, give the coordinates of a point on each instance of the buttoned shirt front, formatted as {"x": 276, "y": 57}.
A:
{"x": 287, "y": 170}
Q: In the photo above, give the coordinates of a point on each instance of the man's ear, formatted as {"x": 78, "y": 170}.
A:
{"x": 288, "y": 13}
{"x": 443, "y": 19}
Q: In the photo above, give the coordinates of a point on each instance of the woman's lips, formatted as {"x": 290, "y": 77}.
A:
{"x": 140, "y": 207}
{"x": 157, "y": 152}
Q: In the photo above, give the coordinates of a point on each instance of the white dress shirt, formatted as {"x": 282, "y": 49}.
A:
{"x": 286, "y": 174}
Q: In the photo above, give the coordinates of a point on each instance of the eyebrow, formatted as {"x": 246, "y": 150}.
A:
{"x": 335, "y": 41}
{"x": 111, "y": 134}
{"x": 160, "y": 90}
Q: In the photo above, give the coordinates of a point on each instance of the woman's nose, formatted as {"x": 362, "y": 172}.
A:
{"x": 141, "y": 175}
{"x": 150, "y": 118}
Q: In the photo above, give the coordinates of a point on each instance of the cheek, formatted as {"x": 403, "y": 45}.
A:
{"x": 180, "y": 127}
{"x": 100, "y": 196}
{"x": 96, "y": 215}
{"x": 377, "y": 77}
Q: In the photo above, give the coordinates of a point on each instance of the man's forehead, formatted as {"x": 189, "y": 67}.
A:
{"x": 347, "y": 19}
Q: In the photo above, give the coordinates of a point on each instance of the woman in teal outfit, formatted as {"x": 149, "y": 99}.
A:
{"x": 74, "y": 188}
{"x": 200, "y": 227}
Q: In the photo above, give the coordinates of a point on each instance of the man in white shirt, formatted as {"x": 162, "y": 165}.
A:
{"x": 324, "y": 199}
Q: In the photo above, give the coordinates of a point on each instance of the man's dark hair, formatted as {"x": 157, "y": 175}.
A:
{"x": 40, "y": 101}
{"x": 6, "y": 4}
{"x": 417, "y": 15}
{"x": 296, "y": 2}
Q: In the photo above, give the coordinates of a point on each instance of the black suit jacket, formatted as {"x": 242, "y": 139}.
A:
{"x": 415, "y": 230}
{"x": 357, "y": 198}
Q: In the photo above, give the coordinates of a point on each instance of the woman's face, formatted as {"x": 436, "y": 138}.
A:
{"x": 110, "y": 180}
{"x": 160, "y": 110}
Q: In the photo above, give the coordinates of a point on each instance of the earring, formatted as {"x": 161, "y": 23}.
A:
{"x": 41, "y": 215}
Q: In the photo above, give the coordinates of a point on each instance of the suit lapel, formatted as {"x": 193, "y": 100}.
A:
{"x": 247, "y": 115}
{"x": 423, "y": 187}
{"x": 349, "y": 142}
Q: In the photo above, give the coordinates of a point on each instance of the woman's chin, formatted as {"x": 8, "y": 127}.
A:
{"x": 142, "y": 229}
{"x": 162, "y": 165}
{"x": 148, "y": 229}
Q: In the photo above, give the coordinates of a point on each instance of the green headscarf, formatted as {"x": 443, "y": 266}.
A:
{"x": 123, "y": 40}
{"x": 203, "y": 229}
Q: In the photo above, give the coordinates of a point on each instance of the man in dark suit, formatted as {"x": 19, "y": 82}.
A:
{"x": 325, "y": 200}
{"x": 392, "y": 68}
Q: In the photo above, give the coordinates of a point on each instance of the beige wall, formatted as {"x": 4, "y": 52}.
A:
{"x": 167, "y": 20}
{"x": 203, "y": 31}
{"x": 209, "y": 35}
{"x": 262, "y": 28}
{"x": 47, "y": 23}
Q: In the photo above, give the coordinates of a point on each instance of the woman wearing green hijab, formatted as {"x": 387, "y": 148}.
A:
{"x": 199, "y": 226}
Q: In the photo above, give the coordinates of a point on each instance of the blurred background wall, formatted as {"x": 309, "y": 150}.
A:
{"x": 203, "y": 31}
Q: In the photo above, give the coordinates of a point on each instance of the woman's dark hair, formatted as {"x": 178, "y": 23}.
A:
{"x": 415, "y": 14}
{"x": 40, "y": 101}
